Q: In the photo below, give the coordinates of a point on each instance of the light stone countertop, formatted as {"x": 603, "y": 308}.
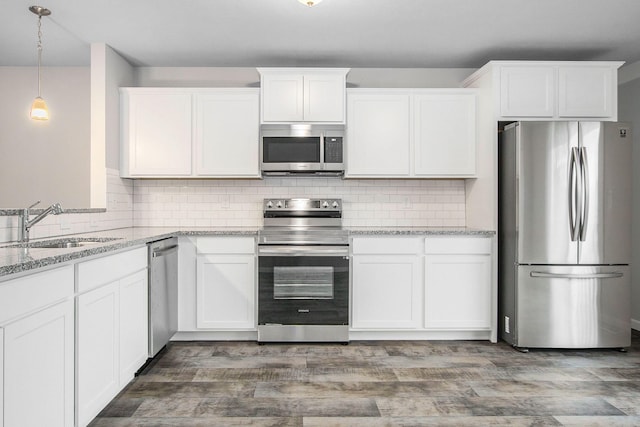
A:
{"x": 15, "y": 260}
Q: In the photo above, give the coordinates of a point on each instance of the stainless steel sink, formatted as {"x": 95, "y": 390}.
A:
{"x": 61, "y": 243}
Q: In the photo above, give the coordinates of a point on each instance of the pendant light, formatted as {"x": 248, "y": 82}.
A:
{"x": 310, "y": 2}
{"x": 39, "y": 110}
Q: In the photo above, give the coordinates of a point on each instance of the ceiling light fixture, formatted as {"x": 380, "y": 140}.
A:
{"x": 310, "y": 2}
{"x": 39, "y": 110}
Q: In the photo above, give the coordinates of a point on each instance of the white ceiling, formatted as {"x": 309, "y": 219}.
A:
{"x": 335, "y": 33}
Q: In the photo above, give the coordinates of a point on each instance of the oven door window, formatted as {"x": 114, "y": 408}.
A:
{"x": 303, "y": 282}
{"x": 291, "y": 149}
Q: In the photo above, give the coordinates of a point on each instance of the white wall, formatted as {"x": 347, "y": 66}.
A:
{"x": 629, "y": 111}
{"x": 44, "y": 160}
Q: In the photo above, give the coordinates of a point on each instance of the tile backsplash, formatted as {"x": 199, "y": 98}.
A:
{"x": 238, "y": 203}
{"x": 206, "y": 203}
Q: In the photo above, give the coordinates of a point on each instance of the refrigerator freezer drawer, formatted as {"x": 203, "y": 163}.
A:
{"x": 573, "y": 307}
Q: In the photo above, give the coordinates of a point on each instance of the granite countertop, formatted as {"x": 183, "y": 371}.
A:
{"x": 19, "y": 259}
{"x": 418, "y": 231}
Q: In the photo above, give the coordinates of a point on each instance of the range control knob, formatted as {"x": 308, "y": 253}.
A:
{"x": 279, "y": 204}
{"x": 325, "y": 204}
{"x": 335, "y": 204}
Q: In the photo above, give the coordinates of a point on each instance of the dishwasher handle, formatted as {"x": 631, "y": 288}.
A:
{"x": 164, "y": 251}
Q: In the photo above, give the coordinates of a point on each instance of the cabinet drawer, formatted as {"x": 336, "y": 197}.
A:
{"x": 110, "y": 267}
{"x": 226, "y": 245}
{"x": 23, "y": 295}
{"x": 386, "y": 245}
{"x": 457, "y": 245}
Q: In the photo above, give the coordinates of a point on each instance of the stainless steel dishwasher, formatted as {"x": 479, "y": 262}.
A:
{"x": 163, "y": 293}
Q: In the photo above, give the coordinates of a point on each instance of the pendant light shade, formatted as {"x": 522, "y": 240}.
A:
{"x": 310, "y": 2}
{"x": 39, "y": 110}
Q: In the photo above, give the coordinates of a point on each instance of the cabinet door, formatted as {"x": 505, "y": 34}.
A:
{"x": 38, "y": 369}
{"x": 282, "y": 98}
{"x": 378, "y": 135}
{"x": 156, "y": 134}
{"x": 527, "y": 91}
{"x": 226, "y": 291}
{"x": 324, "y": 97}
{"x": 386, "y": 292}
{"x": 98, "y": 347}
{"x": 586, "y": 91}
{"x": 458, "y": 284}
{"x": 133, "y": 325}
{"x": 227, "y": 134}
{"x": 444, "y": 134}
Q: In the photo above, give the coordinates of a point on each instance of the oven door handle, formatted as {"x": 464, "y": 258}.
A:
{"x": 294, "y": 250}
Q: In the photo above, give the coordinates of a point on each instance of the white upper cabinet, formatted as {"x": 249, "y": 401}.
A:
{"x": 551, "y": 90}
{"x": 587, "y": 91}
{"x": 444, "y": 124}
{"x": 411, "y": 133}
{"x": 156, "y": 132}
{"x": 227, "y": 133}
{"x": 303, "y": 94}
{"x": 527, "y": 91}
{"x": 177, "y": 132}
{"x": 378, "y": 136}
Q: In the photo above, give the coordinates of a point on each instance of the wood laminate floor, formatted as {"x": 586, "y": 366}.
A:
{"x": 383, "y": 383}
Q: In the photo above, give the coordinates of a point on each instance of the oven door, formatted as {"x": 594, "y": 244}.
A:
{"x": 303, "y": 285}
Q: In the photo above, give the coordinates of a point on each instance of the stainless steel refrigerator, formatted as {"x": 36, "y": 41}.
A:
{"x": 565, "y": 234}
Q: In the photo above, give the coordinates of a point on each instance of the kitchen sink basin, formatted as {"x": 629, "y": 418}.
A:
{"x": 71, "y": 242}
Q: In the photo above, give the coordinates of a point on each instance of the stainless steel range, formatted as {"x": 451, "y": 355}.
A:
{"x": 303, "y": 272}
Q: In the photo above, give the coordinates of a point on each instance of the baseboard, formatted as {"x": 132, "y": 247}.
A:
{"x": 635, "y": 324}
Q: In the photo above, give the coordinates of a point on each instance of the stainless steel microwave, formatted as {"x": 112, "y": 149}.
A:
{"x": 300, "y": 149}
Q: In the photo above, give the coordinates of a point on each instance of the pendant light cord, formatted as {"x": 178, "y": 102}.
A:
{"x": 39, "y": 49}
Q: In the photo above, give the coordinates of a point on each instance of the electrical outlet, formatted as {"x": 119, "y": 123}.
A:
{"x": 507, "y": 328}
{"x": 407, "y": 203}
{"x": 225, "y": 201}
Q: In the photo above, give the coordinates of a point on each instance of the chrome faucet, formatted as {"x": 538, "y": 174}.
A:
{"x": 25, "y": 225}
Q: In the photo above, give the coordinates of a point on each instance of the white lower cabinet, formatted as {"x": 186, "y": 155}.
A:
{"x": 386, "y": 291}
{"x": 37, "y": 317}
{"x": 134, "y": 326}
{"x": 226, "y": 283}
{"x": 415, "y": 287}
{"x": 458, "y": 290}
{"x": 112, "y": 325}
{"x": 98, "y": 350}
{"x": 387, "y": 283}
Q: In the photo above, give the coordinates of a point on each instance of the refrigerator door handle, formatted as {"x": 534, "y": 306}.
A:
{"x": 584, "y": 171}
{"x": 573, "y": 195}
{"x": 547, "y": 275}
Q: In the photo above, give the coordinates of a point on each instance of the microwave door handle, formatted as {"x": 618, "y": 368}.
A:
{"x": 322, "y": 148}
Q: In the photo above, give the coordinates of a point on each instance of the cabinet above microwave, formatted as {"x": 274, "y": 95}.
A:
{"x": 294, "y": 95}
